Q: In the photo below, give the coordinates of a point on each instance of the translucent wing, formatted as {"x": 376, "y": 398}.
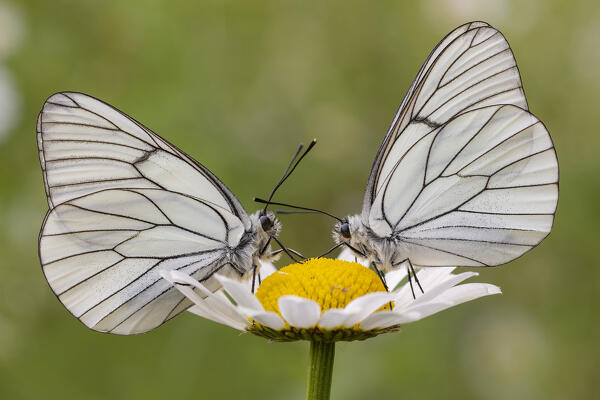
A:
{"x": 479, "y": 190}
{"x": 472, "y": 67}
{"x": 86, "y": 145}
{"x": 102, "y": 254}
{"x": 125, "y": 204}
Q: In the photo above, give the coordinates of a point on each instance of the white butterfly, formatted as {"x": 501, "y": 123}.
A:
{"x": 466, "y": 175}
{"x": 126, "y": 204}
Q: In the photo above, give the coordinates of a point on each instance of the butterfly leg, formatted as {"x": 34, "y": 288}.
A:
{"x": 409, "y": 268}
{"x": 285, "y": 250}
{"x": 297, "y": 253}
{"x": 412, "y": 289}
{"x": 262, "y": 251}
{"x": 274, "y": 253}
{"x": 415, "y": 276}
{"x": 331, "y": 249}
{"x": 253, "y": 281}
{"x": 382, "y": 278}
{"x": 254, "y": 274}
{"x": 254, "y": 277}
{"x": 380, "y": 275}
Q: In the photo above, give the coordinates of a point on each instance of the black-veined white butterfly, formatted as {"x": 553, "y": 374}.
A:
{"x": 466, "y": 175}
{"x": 126, "y": 204}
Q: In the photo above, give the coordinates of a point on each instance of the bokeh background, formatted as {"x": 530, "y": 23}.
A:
{"x": 238, "y": 85}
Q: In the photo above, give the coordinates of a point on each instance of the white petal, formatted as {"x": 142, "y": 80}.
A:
{"x": 468, "y": 292}
{"x": 219, "y": 311}
{"x": 240, "y": 293}
{"x": 355, "y": 311}
{"x": 385, "y": 319}
{"x": 211, "y": 306}
{"x": 333, "y": 318}
{"x": 428, "y": 277}
{"x": 427, "y": 309}
{"x": 268, "y": 319}
{"x": 433, "y": 292}
{"x": 266, "y": 269}
{"x": 395, "y": 276}
{"x": 348, "y": 255}
{"x": 201, "y": 312}
{"x": 185, "y": 284}
{"x": 363, "y": 306}
{"x": 178, "y": 277}
{"x": 433, "y": 275}
{"x": 454, "y": 296}
{"x": 299, "y": 312}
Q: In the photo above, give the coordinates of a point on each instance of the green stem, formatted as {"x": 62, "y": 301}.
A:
{"x": 319, "y": 372}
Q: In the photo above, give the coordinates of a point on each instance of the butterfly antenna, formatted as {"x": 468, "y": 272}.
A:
{"x": 283, "y": 212}
{"x": 285, "y": 173}
{"x": 306, "y": 209}
{"x": 290, "y": 168}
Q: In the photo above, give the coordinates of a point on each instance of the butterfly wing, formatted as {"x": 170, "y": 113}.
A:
{"x": 86, "y": 145}
{"x": 460, "y": 181}
{"x": 473, "y": 66}
{"x": 125, "y": 204}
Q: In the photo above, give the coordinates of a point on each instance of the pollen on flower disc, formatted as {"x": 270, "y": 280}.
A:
{"x": 331, "y": 283}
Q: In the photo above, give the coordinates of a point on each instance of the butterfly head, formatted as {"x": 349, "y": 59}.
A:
{"x": 350, "y": 232}
{"x": 346, "y": 230}
{"x": 342, "y": 231}
{"x": 268, "y": 223}
{"x": 265, "y": 227}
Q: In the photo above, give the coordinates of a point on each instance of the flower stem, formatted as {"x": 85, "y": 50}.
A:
{"x": 319, "y": 372}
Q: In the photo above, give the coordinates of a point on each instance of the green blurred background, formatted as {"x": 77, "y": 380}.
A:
{"x": 238, "y": 85}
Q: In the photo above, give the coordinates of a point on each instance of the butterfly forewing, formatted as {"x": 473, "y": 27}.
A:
{"x": 87, "y": 145}
{"x": 470, "y": 68}
{"x": 125, "y": 204}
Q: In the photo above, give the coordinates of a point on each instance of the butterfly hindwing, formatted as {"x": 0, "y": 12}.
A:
{"x": 483, "y": 187}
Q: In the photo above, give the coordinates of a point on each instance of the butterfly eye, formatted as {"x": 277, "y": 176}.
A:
{"x": 266, "y": 223}
{"x": 345, "y": 230}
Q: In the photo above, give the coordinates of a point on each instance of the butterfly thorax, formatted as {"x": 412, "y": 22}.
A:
{"x": 383, "y": 251}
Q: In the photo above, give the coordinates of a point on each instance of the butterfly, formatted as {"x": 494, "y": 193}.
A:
{"x": 124, "y": 205}
{"x": 466, "y": 175}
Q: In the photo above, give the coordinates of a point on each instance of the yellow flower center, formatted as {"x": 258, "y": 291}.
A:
{"x": 331, "y": 283}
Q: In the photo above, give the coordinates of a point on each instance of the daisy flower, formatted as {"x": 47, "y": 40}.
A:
{"x": 327, "y": 300}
